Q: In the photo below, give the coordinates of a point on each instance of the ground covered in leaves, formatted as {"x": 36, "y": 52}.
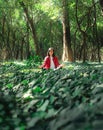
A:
{"x": 66, "y": 99}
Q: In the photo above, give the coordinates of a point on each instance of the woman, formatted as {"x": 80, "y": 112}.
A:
{"x": 51, "y": 61}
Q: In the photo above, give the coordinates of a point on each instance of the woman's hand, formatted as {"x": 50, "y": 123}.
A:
{"x": 40, "y": 67}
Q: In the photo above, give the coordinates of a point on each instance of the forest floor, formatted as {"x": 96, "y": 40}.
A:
{"x": 65, "y": 99}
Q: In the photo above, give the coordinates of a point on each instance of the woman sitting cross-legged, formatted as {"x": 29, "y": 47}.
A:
{"x": 51, "y": 61}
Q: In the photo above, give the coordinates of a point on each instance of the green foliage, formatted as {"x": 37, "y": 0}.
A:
{"x": 34, "y": 61}
{"x": 36, "y": 90}
{"x": 47, "y": 20}
{"x": 25, "y": 82}
{"x": 36, "y": 99}
{"x": 10, "y": 86}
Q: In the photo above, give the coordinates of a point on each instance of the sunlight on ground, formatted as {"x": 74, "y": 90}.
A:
{"x": 28, "y": 94}
{"x": 7, "y": 74}
{"x": 19, "y": 63}
{"x": 30, "y": 70}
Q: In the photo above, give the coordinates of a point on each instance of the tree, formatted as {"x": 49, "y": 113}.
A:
{"x": 101, "y": 4}
{"x": 32, "y": 27}
{"x": 67, "y": 50}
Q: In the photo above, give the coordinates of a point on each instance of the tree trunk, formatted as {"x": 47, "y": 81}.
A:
{"x": 2, "y": 33}
{"x": 67, "y": 51}
{"x": 30, "y": 22}
{"x": 27, "y": 44}
{"x": 13, "y": 43}
{"x": 95, "y": 32}
{"x": 21, "y": 49}
{"x": 83, "y": 33}
{"x": 9, "y": 52}
{"x": 101, "y": 4}
{"x": 84, "y": 46}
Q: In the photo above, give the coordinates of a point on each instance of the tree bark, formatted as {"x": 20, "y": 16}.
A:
{"x": 83, "y": 32}
{"x": 67, "y": 50}
{"x": 27, "y": 44}
{"x": 21, "y": 49}
{"x": 95, "y": 32}
{"x": 101, "y": 4}
{"x": 31, "y": 24}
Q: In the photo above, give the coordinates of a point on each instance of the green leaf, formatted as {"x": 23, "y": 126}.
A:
{"x": 44, "y": 106}
{"x": 10, "y": 85}
{"x": 25, "y": 82}
{"x": 22, "y": 127}
{"x": 36, "y": 90}
{"x": 1, "y": 120}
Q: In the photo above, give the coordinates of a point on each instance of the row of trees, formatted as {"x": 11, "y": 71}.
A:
{"x": 74, "y": 28}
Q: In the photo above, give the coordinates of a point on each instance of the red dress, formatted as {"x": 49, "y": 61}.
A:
{"x": 46, "y": 64}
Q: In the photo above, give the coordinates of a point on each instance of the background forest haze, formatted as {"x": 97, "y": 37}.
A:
{"x": 73, "y": 27}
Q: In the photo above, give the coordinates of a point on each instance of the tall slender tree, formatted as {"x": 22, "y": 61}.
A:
{"x": 32, "y": 27}
{"x": 67, "y": 50}
{"x": 101, "y": 4}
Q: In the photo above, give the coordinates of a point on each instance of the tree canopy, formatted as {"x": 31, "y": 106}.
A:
{"x": 27, "y": 26}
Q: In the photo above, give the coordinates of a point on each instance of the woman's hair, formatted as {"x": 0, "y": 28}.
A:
{"x": 51, "y": 48}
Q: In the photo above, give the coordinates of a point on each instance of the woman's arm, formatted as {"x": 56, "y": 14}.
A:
{"x": 44, "y": 62}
